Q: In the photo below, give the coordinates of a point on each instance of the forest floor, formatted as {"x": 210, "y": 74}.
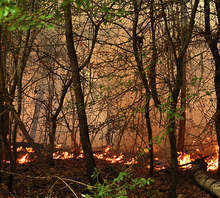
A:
{"x": 37, "y": 180}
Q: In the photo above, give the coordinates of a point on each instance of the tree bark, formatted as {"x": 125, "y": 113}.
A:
{"x": 212, "y": 41}
{"x": 137, "y": 48}
{"x": 182, "y": 129}
{"x": 54, "y": 121}
{"x": 174, "y": 88}
{"x": 80, "y": 105}
{"x": 154, "y": 59}
{"x": 4, "y": 111}
{"x": 203, "y": 179}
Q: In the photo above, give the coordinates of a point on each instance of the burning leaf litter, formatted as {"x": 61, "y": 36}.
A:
{"x": 183, "y": 158}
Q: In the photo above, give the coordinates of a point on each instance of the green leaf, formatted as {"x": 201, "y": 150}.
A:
{"x": 11, "y": 28}
{"x": 208, "y": 93}
{"x": 5, "y": 11}
{"x": 49, "y": 26}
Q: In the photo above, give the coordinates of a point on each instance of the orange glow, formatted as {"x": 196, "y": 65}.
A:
{"x": 23, "y": 159}
{"x": 130, "y": 162}
{"x": 115, "y": 159}
{"x": 213, "y": 162}
{"x": 30, "y": 150}
{"x": 19, "y": 148}
{"x": 184, "y": 158}
{"x": 63, "y": 155}
{"x": 107, "y": 149}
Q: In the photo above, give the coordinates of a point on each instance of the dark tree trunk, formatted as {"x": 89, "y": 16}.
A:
{"x": 176, "y": 86}
{"x": 150, "y": 136}
{"x": 182, "y": 128}
{"x": 80, "y": 105}
{"x": 154, "y": 59}
{"x": 4, "y": 112}
{"x": 173, "y": 148}
{"x": 212, "y": 41}
{"x": 54, "y": 121}
{"x": 137, "y": 48}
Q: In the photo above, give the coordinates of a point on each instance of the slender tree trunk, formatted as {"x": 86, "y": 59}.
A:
{"x": 37, "y": 109}
{"x": 52, "y": 135}
{"x": 137, "y": 48}
{"x": 212, "y": 41}
{"x": 80, "y": 105}
{"x": 182, "y": 129}
{"x": 154, "y": 59}
{"x": 173, "y": 147}
{"x": 4, "y": 111}
{"x": 175, "y": 86}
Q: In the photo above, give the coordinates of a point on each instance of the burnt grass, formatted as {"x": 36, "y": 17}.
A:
{"x": 37, "y": 179}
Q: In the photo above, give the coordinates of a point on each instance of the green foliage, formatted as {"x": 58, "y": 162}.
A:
{"x": 119, "y": 187}
{"x": 7, "y": 8}
{"x": 13, "y": 16}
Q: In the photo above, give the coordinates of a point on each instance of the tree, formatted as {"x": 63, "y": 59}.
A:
{"x": 138, "y": 53}
{"x": 212, "y": 39}
{"x": 80, "y": 104}
{"x": 178, "y": 54}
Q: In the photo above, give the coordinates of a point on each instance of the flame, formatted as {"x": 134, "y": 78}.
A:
{"x": 130, "y": 162}
{"x": 30, "y": 150}
{"x": 184, "y": 158}
{"x": 19, "y": 148}
{"x": 23, "y": 159}
{"x": 213, "y": 162}
{"x": 107, "y": 149}
{"x": 63, "y": 155}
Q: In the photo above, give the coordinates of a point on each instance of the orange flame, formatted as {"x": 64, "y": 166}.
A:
{"x": 184, "y": 158}
{"x": 23, "y": 159}
{"x": 213, "y": 162}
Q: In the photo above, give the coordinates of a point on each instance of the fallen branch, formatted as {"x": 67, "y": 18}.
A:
{"x": 203, "y": 179}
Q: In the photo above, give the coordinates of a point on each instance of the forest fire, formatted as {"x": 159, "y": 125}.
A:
{"x": 23, "y": 159}
{"x": 212, "y": 163}
{"x": 183, "y": 158}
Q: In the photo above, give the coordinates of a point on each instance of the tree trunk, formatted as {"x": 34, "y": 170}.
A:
{"x": 4, "y": 111}
{"x": 182, "y": 129}
{"x": 212, "y": 41}
{"x": 37, "y": 109}
{"x": 203, "y": 179}
{"x": 80, "y": 105}
{"x": 173, "y": 148}
{"x": 137, "y": 49}
{"x": 178, "y": 54}
{"x": 154, "y": 59}
{"x": 54, "y": 121}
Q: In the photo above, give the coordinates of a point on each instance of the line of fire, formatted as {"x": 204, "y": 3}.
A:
{"x": 107, "y": 99}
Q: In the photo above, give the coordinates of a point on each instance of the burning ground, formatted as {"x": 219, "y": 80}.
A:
{"x": 34, "y": 178}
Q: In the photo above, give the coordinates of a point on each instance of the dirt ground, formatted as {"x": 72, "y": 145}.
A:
{"x": 36, "y": 179}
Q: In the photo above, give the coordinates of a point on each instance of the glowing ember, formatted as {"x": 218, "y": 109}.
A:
{"x": 80, "y": 156}
{"x": 23, "y": 159}
{"x": 132, "y": 161}
{"x": 184, "y": 158}
{"x": 115, "y": 159}
{"x": 107, "y": 149}
{"x": 19, "y": 148}
{"x": 30, "y": 150}
{"x": 213, "y": 162}
{"x": 63, "y": 155}
{"x": 58, "y": 145}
